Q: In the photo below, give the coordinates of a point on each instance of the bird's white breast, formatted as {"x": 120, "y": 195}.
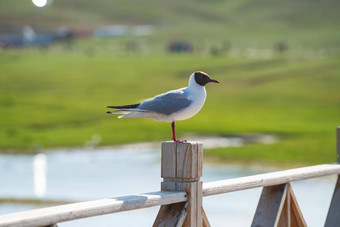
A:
{"x": 197, "y": 95}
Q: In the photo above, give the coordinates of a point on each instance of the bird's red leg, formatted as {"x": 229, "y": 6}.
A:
{"x": 173, "y": 131}
{"x": 174, "y": 134}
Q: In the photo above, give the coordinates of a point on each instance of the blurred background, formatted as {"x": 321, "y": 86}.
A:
{"x": 63, "y": 61}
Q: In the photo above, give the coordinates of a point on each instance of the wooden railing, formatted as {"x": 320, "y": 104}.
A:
{"x": 182, "y": 191}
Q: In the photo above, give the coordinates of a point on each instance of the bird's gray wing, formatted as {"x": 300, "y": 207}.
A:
{"x": 167, "y": 103}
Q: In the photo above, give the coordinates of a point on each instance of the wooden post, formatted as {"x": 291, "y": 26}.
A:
{"x": 333, "y": 216}
{"x": 182, "y": 165}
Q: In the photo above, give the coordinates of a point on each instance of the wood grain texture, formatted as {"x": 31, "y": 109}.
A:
{"x": 182, "y": 216}
{"x": 186, "y": 161}
{"x": 333, "y": 216}
{"x": 284, "y": 216}
{"x": 182, "y": 160}
{"x": 295, "y": 217}
{"x": 199, "y": 159}
{"x": 171, "y": 215}
{"x": 181, "y": 171}
{"x": 205, "y": 221}
{"x": 168, "y": 160}
{"x": 51, "y": 215}
{"x": 278, "y": 207}
{"x": 194, "y": 209}
{"x": 270, "y": 206}
{"x": 268, "y": 179}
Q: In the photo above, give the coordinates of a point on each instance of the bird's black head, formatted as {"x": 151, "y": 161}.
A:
{"x": 202, "y": 78}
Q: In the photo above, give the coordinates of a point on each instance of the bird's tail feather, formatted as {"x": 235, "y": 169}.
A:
{"x": 119, "y": 112}
{"x": 132, "y": 106}
{"x": 126, "y": 110}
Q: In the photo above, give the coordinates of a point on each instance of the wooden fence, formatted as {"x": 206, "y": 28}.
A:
{"x": 182, "y": 191}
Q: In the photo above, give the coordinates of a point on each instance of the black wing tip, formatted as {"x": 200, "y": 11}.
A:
{"x": 124, "y": 106}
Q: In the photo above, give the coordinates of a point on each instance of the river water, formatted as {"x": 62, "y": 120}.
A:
{"x": 91, "y": 174}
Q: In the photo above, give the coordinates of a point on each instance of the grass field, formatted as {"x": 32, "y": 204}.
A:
{"x": 58, "y": 99}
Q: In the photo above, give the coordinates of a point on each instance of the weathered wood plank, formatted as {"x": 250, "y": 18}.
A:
{"x": 284, "y": 218}
{"x": 205, "y": 221}
{"x": 171, "y": 215}
{"x": 168, "y": 160}
{"x": 295, "y": 217}
{"x": 270, "y": 206}
{"x": 200, "y": 159}
{"x": 51, "y": 215}
{"x": 268, "y": 179}
{"x": 194, "y": 209}
{"x": 278, "y": 208}
{"x": 187, "y": 161}
{"x": 182, "y": 216}
{"x": 333, "y": 216}
{"x": 184, "y": 160}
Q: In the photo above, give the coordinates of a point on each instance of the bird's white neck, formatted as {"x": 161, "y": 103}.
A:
{"x": 193, "y": 85}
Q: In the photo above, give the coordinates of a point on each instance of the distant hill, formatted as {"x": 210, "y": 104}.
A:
{"x": 261, "y": 23}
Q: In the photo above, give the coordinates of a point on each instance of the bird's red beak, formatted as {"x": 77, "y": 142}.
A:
{"x": 214, "y": 81}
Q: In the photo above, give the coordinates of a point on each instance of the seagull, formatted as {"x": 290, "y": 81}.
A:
{"x": 175, "y": 105}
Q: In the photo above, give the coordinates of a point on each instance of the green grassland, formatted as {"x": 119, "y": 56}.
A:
{"x": 58, "y": 99}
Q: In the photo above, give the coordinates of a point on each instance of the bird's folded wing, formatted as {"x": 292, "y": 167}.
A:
{"x": 168, "y": 103}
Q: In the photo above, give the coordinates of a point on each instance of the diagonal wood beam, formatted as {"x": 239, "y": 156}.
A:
{"x": 278, "y": 207}
{"x": 270, "y": 206}
{"x": 205, "y": 221}
{"x": 333, "y": 216}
